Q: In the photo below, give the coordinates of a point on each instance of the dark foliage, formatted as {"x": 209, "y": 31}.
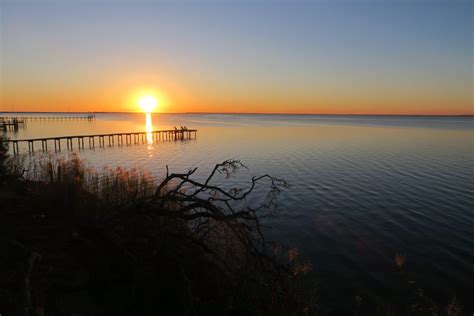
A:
{"x": 186, "y": 247}
{"x": 3, "y": 156}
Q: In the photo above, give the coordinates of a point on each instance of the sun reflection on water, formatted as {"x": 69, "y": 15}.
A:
{"x": 149, "y": 129}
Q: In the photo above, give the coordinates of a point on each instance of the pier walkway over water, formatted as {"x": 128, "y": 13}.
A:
{"x": 11, "y": 124}
{"x": 111, "y": 139}
{"x": 43, "y": 117}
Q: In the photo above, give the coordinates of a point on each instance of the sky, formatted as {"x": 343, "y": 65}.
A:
{"x": 262, "y": 56}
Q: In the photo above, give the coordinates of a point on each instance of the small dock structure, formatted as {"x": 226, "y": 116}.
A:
{"x": 102, "y": 140}
{"x": 64, "y": 117}
{"x": 12, "y": 124}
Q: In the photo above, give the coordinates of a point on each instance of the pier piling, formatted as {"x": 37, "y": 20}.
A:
{"x": 163, "y": 135}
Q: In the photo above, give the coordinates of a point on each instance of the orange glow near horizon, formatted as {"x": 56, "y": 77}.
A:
{"x": 174, "y": 94}
{"x": 132, "y": 95}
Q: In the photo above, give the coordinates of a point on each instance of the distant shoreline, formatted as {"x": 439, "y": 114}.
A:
{"x": 249, "y": 113}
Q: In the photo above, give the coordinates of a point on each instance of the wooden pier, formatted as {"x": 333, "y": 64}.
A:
{"x": 102, "y": 139}
{"x": 88, "y": 117}
{"x": 11, "y": 124}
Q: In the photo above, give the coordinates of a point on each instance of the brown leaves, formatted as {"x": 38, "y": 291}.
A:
{"x": 400, "y": 260}
{"x": 292, "y": 254}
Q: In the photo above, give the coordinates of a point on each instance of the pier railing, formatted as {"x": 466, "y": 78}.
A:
{"x": 111, "y": 139}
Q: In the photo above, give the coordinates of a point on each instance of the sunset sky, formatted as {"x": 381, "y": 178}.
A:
{"x": 362, "y": 57}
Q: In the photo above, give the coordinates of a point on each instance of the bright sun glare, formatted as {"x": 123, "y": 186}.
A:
{"x": 147, "y": 103}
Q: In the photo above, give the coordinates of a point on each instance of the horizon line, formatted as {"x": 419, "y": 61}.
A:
{"x": 238, "y": 113}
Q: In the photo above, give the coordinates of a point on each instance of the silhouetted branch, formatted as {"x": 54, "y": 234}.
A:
{"x": 215, "y": 214}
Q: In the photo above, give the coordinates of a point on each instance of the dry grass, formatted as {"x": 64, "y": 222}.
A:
{"x": 111, "y": 186}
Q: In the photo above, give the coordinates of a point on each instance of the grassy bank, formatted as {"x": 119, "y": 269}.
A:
{"x": 117, "y": 242}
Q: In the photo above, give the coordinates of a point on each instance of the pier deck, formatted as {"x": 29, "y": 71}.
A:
{"x": 111, "y": 138}
{"x": 88, "y": 117}
{"x": 11, "y": 124}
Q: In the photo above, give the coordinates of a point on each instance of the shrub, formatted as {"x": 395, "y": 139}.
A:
{"x": 177, "y": 246}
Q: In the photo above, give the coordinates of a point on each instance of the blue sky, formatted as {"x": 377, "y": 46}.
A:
{"x": 315, "y": 56}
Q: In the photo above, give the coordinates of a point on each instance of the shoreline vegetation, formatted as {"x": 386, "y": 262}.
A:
{"x": 76, "y": 241}
{"x": 118, "y": 242}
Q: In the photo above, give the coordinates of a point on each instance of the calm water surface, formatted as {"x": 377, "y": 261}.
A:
{"x": 362, "y": 188}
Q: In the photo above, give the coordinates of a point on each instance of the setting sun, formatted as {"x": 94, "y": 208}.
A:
{"x": 147, "y": 103}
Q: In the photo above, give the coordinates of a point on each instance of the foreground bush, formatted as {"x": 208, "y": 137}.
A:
{"x": 118, "y": 243}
